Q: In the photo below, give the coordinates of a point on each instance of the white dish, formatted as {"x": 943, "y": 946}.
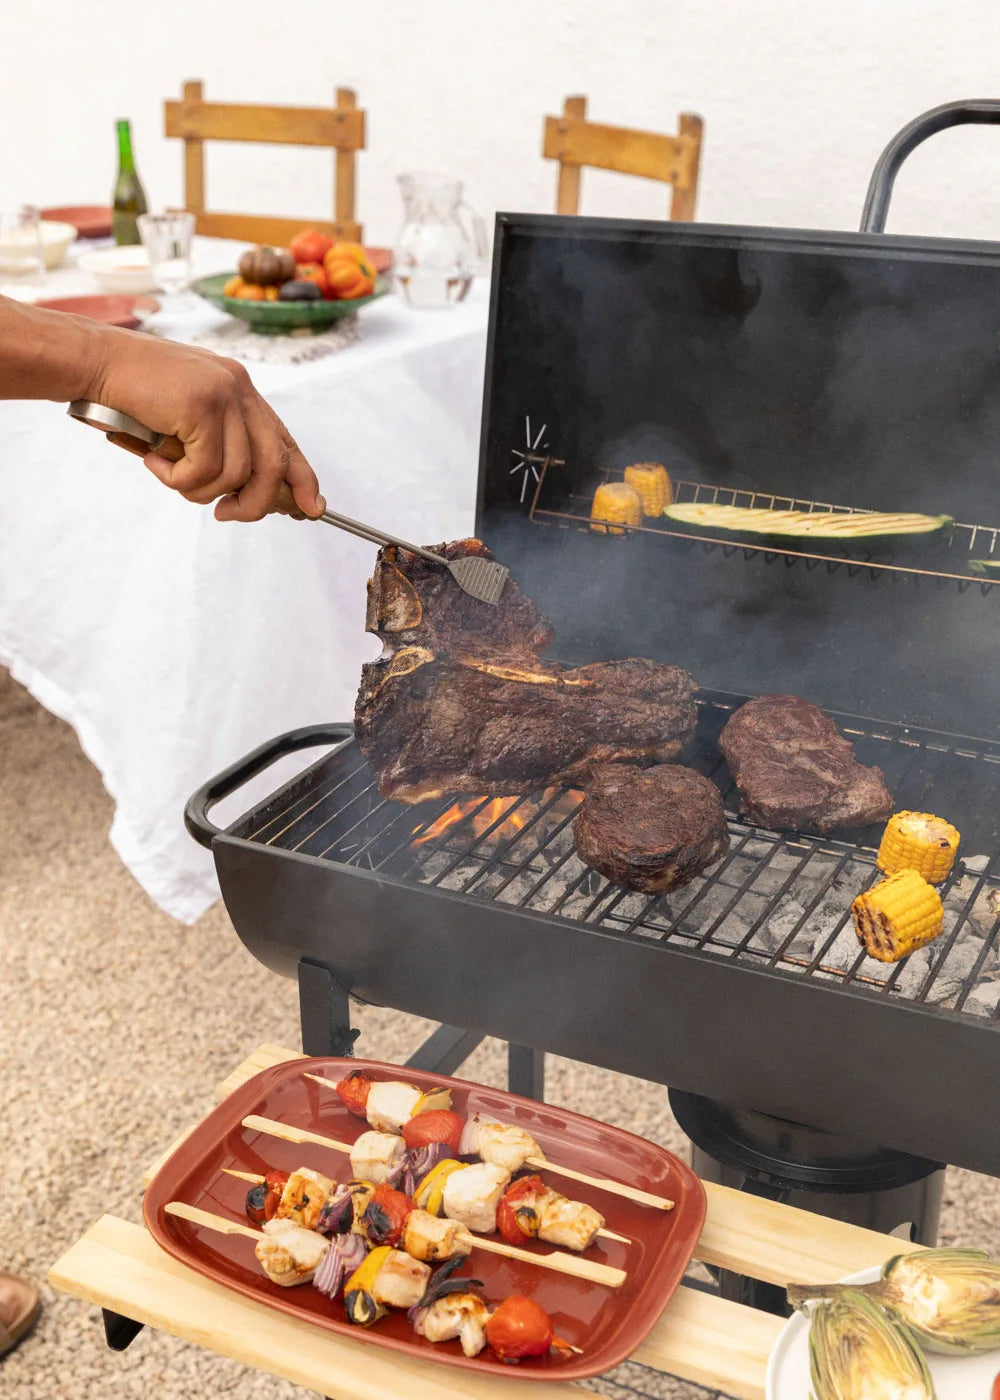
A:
{"x": 124, "y": 269}
{"x": 56, "y": 238}
{"x": 955, "y": 1377}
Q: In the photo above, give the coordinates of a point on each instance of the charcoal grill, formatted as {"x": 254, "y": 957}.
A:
{"x": 764, "y": 367}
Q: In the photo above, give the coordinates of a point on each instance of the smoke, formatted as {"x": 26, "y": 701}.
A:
{"x": 856, "y": 376}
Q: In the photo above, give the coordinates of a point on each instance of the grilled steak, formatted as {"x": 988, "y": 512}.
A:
{"x": 460, "y": 702}
{"x": 795, "y": 770}
{"x": 650, "y": 829}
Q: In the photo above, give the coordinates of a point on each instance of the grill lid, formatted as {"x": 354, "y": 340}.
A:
{"x": 808, "y": 371}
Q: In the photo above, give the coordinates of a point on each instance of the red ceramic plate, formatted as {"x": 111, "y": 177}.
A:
{"x": 381, "y": 258}
{"x": 112, "y": 310}
{"x": 606, "y": 1323}
{"x": 89, "y": 220}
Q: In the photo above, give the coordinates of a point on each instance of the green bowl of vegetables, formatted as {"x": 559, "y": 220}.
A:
{"x": 283, "y": 317}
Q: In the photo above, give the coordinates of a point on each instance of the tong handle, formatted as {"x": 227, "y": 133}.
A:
{"x": 374, "y": 536}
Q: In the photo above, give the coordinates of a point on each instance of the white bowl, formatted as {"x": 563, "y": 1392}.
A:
{"x": 124, "y": 269}
{"x": 56, "y": 238}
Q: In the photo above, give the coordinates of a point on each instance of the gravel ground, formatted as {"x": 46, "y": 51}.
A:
{"x": 116, "y": 1024}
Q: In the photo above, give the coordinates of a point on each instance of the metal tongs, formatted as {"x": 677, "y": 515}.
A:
{"x": 482, "y": 579}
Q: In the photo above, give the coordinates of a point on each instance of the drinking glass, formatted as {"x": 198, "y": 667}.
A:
{"x": 22, "y": 261}
{"x": 167, "y": 239}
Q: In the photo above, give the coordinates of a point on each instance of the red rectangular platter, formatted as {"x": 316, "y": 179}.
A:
{"x": 607, "y": 1324}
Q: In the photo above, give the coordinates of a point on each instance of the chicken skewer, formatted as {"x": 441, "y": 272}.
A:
{"x": 553, "y": 1226}
{"x": 307, "y": 1192}
{"x": 375, "y": 1155}
{"x": 536, "y": 1160}
{"x": 440, "y": 1308}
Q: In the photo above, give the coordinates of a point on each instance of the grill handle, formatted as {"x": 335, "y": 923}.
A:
{"x": 311, "y": 736}
{"x": 980, "y": 111}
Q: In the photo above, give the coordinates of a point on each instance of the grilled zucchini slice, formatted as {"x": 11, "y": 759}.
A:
{"x": 989, "y": 567}
{"x": 795, "y": 528}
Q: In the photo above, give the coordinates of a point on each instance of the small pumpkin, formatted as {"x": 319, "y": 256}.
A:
{"x": 349, "y": 272}
{"x": 232, "y": 287}
{"x": 267, "y": 267}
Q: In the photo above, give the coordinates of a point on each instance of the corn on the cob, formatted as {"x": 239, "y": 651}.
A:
{"x": 615, "y": 501}
{"x": 897, "y": 915}
{"x": 651, "y": 481}
{"x": 918, "y": 841}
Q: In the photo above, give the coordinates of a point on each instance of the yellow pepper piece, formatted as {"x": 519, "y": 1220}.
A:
{"x": 429, "y": 1194}
{"x": 921, "y": 842}
{"x": 362, "y": 1308}
{"x": 431, "y": 1100}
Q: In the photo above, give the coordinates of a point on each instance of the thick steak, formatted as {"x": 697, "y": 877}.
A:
{"x": 651, "y": 829}
{"x": 795, "y": 770}
{"x": 459, "y": 701}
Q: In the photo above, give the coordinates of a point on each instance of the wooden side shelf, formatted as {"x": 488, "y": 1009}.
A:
{"x": 701, "y": 1338}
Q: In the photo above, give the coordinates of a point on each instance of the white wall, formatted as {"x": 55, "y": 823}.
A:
{"x": 799, "y": 96}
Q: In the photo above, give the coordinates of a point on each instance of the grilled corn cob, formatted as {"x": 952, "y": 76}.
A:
{"x": 897, "y": 915}
{"x": 651, "y": 481}
{"x": 615, "y": 501}
{"x": 917, "y": 841}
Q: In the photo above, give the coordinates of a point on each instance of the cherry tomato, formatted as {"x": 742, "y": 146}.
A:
{"x": 353, "y": 1092}
{"x": 385, "y": 1215}
{"x": 310, "y": 246}
{"x": 274, "y": 1183}
{"x": 519, "y": 1327}
{"x": 995, "y": 1392}
{"x": 436, "y": 1125}
{"x": 518, "y": 1198}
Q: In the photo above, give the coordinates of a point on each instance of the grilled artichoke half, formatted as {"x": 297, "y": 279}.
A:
{"x": 857, "y": 1352}
{"x": 949, "y": 1298}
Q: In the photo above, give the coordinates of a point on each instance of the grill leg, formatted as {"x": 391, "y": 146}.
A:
{"x": 119, "y": 1332}
{"x": 445, "y": 1049}
{"x": 325, "y": 1012}
{"x": 526, "y": 1072}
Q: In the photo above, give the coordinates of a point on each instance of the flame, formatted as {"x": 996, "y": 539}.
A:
{"x": 482, "y": 818}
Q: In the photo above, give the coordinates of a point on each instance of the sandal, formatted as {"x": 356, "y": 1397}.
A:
{"x": 20, "y": 1305}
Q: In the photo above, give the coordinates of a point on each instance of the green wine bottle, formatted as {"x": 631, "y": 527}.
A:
{"x": 130, "y": 197}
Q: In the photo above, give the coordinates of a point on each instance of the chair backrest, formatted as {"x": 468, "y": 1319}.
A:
{"x": 341, "y": 127}
{"x": 574, "y": 142}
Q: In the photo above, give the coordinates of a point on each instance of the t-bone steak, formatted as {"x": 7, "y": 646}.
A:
{"x": 796, "y": 771}
{"x": 650, "y": 829}
{"x": 461, "y": 702}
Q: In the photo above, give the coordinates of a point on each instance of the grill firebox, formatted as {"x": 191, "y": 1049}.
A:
{"x": 747, "y": 985}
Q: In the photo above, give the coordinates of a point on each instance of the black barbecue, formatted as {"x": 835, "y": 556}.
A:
{"x": 838, "y": 371}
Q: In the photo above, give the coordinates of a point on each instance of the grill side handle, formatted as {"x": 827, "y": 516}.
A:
{"x": 980, "y": 111}
{"x": 196, "y": 817}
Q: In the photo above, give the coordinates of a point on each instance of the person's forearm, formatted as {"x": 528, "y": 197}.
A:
{"x": 48, "y": 354}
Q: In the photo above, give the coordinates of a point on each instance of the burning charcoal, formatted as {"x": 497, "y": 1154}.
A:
{"x": 984, "y": 999}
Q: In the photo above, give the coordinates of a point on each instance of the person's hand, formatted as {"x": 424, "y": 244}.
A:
{"x": 236, "y": 446}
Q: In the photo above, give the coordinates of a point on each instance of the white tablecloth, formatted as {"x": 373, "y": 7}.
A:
{"x": 174, "y": 644}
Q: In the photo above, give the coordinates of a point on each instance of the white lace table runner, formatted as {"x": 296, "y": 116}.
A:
{"x": 236, "y": 339}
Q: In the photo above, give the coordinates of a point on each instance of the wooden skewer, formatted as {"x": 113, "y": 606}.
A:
{"x": 210, "y": 1221}
{"x": 559, "y": 1262}
{"x": 258, "y": 1180}
{"x": 603, "y": 1183}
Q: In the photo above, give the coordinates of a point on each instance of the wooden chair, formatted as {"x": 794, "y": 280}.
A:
{"x": 341, "y": 127}
{"x": 574, "y": 142}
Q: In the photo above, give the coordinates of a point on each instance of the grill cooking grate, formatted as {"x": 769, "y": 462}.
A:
{"x": 780, "y": 901}
{"x": 968, "y": 541}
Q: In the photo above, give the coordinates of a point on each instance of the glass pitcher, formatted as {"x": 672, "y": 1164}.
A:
{"x": 441, "y": 245}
